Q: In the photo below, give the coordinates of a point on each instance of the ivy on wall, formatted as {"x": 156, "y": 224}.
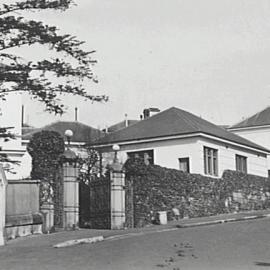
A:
{"x": 155, "y": 188}
{"x": 45, "y": 148}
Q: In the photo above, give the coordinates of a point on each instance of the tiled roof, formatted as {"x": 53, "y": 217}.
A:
{"x": 81, "y": 133}
{"x": 121, "y": 125}
{"x": 261, "y": 118}
{"x": 173, "y": 122}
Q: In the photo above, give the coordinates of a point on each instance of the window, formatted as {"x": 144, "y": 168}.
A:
{"x": 146, "y": 155}
{"x": 210, "y": 161}
{"x": 241, "y": 163}
{"x": 184, "y": 164}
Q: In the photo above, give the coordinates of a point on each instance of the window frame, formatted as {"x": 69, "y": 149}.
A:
{"x": 141, "y": 154}
{"x": 184, "y": 159}
{"x": 210, "y": 157}
{"x": 241, "y": 163}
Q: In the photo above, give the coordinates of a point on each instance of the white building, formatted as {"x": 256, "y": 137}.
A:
{"x": 180, "y": 140}
{"x": 255, "y": 128}
{"x": 11, "y": 116}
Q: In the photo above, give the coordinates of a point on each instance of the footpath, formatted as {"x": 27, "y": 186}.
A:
{"x": 82, "y": 236}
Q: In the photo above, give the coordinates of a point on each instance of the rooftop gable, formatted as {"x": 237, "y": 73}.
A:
{"x": 172, "y": 122}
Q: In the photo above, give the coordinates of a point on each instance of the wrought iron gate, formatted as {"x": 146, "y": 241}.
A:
{"x": 95, "y": 203}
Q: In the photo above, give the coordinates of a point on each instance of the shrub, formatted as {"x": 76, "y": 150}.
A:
{"x": 157, "y": 189}
{"x": 45, "y": 148}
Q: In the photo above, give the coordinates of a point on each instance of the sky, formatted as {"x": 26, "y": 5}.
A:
{"x": 209, "y": 57}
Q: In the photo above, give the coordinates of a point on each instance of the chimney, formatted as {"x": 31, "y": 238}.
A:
{"x": 22, "y": 115}
{"x": 126, "y": 120}
{"x": 76, "y": 114}
{"x": 150, "y": 112}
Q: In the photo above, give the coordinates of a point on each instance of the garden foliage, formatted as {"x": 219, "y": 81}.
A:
{"x": 65, "y": 69}
{"x": 155, "y": 188}
{"x": 46, "y": 148}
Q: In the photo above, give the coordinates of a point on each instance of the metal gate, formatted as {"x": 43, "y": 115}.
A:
{"x": 95, "y": 203}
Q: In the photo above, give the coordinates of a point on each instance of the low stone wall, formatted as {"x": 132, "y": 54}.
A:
{"x": 160, "y": 189}
{"x": 23, "y": 225}
{"x": 22, "y": 208}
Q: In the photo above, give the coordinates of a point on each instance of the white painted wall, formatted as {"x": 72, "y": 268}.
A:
{"x": 256, "y": 164}
{"x": 259, "y": 135}
{"x": 10, "y": 116}
{"x": 3, "y": 187}
{"x": 167, "y": 153}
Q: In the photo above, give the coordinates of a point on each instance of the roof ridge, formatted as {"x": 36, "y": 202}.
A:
{"x": 172, "y": 122}
{"x": 134, "y": 125}
{"x": 187, "y": 121}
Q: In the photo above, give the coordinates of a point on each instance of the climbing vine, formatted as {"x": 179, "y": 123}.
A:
{"x": 45, "y": 148}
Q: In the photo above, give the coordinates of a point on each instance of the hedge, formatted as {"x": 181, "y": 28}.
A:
{"x": 153, "y": 188}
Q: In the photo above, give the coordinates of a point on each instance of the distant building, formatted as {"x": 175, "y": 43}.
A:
{"x": 81, "y": 133}
{"x": 10, "y": 116}
{"x": 148, "y": 112}
{"x": 255, "y": 128}
{"x": 180, "y": 140}
{"x": 118, "y": 126}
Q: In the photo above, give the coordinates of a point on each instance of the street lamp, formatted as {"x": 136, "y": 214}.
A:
{"x": 115, "y": 148}
{"x": 68, "y": 134}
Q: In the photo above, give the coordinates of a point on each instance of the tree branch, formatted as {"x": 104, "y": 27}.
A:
{"x": 36, "y": 5}
{"x": 31, "y": 32}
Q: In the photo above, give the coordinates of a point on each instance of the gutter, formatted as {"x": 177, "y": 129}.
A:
{"x": 198, "y": 134}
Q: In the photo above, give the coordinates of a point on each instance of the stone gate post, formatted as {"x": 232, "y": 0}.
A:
{"x": 3, "y": 189}
{"x": 117, "y": 177}
{"x": 47, "y": 210}
{"x": 71, "y": 190}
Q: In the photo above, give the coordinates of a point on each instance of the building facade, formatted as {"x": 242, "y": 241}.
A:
{"x": 256, "y": 129}
{"x": 179, "y": 140}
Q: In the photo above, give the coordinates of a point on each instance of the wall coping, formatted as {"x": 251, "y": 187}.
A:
{"x": 22, "y": 220}
{"x": 23, "y": 181}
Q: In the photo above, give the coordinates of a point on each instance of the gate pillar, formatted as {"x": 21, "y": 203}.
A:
{"x": 71, "y": 190}
{"x": 3, "y": 188}
{"x": 117, "y": 177}
{"x": 47, "y": 210}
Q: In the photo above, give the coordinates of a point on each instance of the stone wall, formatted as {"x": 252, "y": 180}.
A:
{"x": 160, "y": 189}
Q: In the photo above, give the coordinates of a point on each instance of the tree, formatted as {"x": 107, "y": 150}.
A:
{"x": 46, "y": 148}
{"x": 72, "y": 66}
{"x": 90, "y": 166}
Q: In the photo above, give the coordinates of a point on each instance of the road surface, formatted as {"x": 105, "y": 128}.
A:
{"x": 240, "y": 245}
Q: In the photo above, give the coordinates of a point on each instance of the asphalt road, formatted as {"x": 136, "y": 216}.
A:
{"x": 240, "y": 245}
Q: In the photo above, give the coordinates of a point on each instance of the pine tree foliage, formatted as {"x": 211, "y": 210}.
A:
{"x": 18, "y": 75}
{"x": 72, "y": 66}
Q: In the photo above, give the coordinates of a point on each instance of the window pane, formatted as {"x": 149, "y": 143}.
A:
{"x": 184, "y": 164}
{"x": 210, "y": 161}
{"x": 241, "y": 163}
{"x": 147, "y": 156}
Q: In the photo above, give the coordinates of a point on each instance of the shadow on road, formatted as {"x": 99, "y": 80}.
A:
{"x": 262, "y": 264}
